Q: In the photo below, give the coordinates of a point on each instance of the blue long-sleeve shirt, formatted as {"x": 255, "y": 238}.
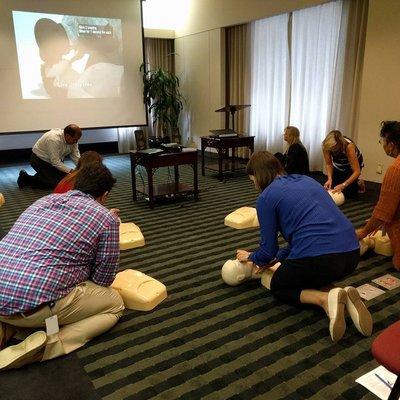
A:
{"x": 305, "y": 214}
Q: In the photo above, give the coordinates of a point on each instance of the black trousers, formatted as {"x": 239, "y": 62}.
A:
{"x": 293, "y": 276}
{"x": 339, "y": 177}
{"x": 47, "y": 176}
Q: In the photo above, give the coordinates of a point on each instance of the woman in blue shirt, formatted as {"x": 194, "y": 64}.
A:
{"x": 322, "y": 244}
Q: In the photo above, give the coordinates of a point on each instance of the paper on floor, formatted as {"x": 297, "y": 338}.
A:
{"x": 371, "y": 381}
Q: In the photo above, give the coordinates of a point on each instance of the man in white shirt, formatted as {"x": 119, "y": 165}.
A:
{"x": 48, "y": 155}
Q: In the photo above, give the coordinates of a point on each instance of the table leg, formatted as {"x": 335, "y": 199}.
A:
{"x": 195, "y": 180}
{"x": 220, "y": 156}
{"x": 151, "y": 188}
{"x": 133, "y": 177}
{"x": 251, "y": 148}
{"x": 233, "y": 159}
{"x": 176, "y": 174}
{"x": 203, "y": 148}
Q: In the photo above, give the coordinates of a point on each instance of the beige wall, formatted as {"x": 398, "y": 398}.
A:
{"x": 205, "y": 15}
{"x": 159, "y": 33}
{"x": 199, "y": 65}
{"x": 199, "y": 61}
{"x": 380, "y": 92}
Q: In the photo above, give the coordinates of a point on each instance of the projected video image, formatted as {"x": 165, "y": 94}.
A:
{"x": 65, "y": 56}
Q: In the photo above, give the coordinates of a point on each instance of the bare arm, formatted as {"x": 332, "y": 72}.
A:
{"x": 355, "y": 167}
{"x": 75, "y": 155}
{"x": 372, "y": 225}
{"x": 329, "y": 169}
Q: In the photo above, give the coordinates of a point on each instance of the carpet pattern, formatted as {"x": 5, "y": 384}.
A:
{"x": 208, "y": 340}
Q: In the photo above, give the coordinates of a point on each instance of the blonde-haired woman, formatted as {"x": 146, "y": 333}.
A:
{"x": 343, "y": 162}
{"x": 295, "y": 158}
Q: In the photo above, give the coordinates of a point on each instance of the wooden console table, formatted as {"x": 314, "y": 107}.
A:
{"x": 151, "y": 162}
{"x": 223, "y": 144}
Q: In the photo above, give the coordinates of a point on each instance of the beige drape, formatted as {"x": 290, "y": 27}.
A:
{"x": 239, "y": 57}
{"x": 352, "y": 74}
{"x": 345, "y": 111}
{"x": 159, "y": 53}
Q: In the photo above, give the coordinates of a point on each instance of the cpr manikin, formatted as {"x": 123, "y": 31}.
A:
{"x": 139, "y": 291}
{"x": 234, "y": 273}
{"x": 337, "y": 197}
{"x": 379, "y": 241}
{"x": 242, "y": 218}
{"x": 130, "y": 236}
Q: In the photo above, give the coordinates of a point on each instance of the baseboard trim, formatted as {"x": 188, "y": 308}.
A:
{"x": 23, "y": 155}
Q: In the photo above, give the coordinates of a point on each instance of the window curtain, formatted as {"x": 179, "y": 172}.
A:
{"x": 159, "y": 53}
{"x": 310, "y": 77}
{"x": 353, "y": 32}
{"x": 316, "y": 72}
{"x": 269, "y": 81}
{"x": 238, "y": 47}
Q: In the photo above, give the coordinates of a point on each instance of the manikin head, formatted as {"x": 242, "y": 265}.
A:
{"x": 72, "y": 134}
{"x": 96, "y": 180}
{"x": 52, "y": 40}
{"x": 234, "y": 272}
{"x": 337, "y": 197}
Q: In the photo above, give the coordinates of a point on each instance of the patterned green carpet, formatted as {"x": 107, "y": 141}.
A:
{"x": 208, "y": 340}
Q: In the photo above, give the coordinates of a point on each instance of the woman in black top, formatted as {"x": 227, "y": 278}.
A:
{"x": 295, "y": 158}
{"x": 343, "y": 163}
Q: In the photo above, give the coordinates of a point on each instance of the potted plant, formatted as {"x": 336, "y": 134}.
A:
{"x": 162, "y": 97}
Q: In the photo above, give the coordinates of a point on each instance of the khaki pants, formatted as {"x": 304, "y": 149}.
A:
{"x": 86, "y": 312}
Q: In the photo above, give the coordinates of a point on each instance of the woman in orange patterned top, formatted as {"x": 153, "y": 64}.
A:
{"x": 68, "y": 182}
{"x": 387, "y": 211}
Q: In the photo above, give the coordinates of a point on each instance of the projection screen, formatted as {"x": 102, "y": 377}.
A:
{"x": 70, "y": 61}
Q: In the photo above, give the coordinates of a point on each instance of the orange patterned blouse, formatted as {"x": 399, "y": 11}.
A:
{"x": 388, "y": 207}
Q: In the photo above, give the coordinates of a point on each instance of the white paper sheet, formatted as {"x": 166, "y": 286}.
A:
{"x": 371, "y": 381}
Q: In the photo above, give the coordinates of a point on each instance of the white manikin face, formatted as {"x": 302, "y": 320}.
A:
{"x": 235, "y": 272}
{"x": 338, "y": 198}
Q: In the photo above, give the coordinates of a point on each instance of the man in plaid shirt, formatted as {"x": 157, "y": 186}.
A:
{"x": 60, "y": 258}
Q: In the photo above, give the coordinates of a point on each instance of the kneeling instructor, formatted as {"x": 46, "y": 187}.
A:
{"x": 48, "y": 155}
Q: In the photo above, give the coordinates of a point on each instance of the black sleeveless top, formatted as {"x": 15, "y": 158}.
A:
{"x": 340, "y": 160}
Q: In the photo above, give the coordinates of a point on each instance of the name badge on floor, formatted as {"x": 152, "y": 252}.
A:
{"x": 52, "y": 325}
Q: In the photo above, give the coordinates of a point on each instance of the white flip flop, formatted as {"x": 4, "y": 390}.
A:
{"x": 358, "y": 311}
{"x": 336, "y": 305}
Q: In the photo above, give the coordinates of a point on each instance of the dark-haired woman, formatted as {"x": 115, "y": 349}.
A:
{"x": 387, "y": 212}
{"x": 343, "y": 162}
{"x": 68, "y": 182}
{"x": 322, "y": 245}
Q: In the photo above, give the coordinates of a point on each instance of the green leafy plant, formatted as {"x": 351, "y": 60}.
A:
{"x": 162, "y": 97}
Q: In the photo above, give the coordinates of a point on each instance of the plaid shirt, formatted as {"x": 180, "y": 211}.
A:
{"x": 58, "y": 242}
